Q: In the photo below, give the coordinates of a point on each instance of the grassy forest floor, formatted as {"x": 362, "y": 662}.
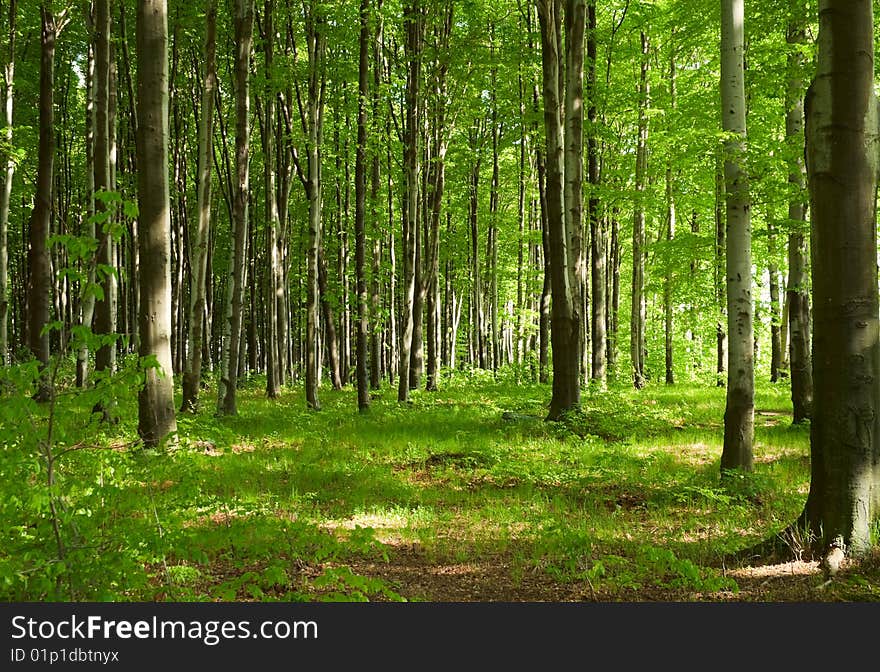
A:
{"x": 465, "y": 495}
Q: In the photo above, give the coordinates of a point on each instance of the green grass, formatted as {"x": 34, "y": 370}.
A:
{"x": 281, "y": 503}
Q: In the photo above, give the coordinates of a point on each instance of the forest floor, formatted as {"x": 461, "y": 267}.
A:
{"x": 464, "y": 495}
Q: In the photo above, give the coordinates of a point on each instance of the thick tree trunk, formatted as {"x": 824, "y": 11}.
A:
{"x": 842, "y": 168}
{"x": 565, "y": 315}
{"x": 739, "y": 411}
{"x": 156, "y": 421}
{"x": 192, "y": 374}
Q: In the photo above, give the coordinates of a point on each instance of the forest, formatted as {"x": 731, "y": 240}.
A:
{"x": 439, "y": 300}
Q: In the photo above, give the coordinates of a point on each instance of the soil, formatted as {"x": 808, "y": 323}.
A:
{"x": 415, "y": 576}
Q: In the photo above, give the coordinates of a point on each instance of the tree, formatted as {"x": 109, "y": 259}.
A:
{"x": 414, "y": 29}
{"x": 6, "y": 191}
{"x": 192, "y": 375}
{"x": 156, "y": 420}
{"x": 842, "y": 137}
{"x": 637, "y": 313}
{"x": 563, "y": 121}
{"x": 244, "y": 28}
{"x": 360, "y": 212}
{"x": 40, "y": 276}
{"x": 105, "y": 309}
{"x": 739, "y": 411}
{"x": 800, "y": 364}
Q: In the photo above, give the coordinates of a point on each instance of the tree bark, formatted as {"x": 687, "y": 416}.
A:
{"x": 842, "y": 168}
{"x": 558, "y": 117}
{"x": 797, "y": 290}
{"x": 156, "y": 420}
{"x": 227, "y": 390}
{"x": 105, "y": 309}
{"x": 668, "y": 325}
{"x": 598, "y": 364}
{"x": 199, "y": 244}
{"x": 637, "y": 312}
{"x": 6, "y": 190}
{"x": 413, "y": 28}
{"x": 39, "y": 266}
{"x": 360, "y": 208}
{"x": 739, "y": 411}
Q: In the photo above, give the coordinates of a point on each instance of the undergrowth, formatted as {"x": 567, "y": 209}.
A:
{"x": 281, "y": 503}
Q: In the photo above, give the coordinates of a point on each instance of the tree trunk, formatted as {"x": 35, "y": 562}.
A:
{"x": 244, "y": 21}
{"x": 565, "y": 316}
{"x": 156, "y": 419}
{"x": 360, "y": 207}
{"x": 842, "y": 137}
{"x": 598, "y": 370}
{"x": 720, "y": 277}
{"x": 739, "y": 412}
{"x": 670, "y": 236}
{"x": 199, "y": 245}
{"x": 39, "y": 266}
{"x": 6, "y": 190}
{"x": 798, "y": 295}
{"x": 274, "y": 361}
{"x": 637, "y": 312}
{"x": 414, "y": 25}
{"x": 87, "y": 305}
{"x": 105, "y": 309}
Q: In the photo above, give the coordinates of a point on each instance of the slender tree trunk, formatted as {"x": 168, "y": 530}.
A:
{"x": 87, "y": 305}
{"x": 668, "y": 326}
{"x": 598, "y": 368}
{"x": 360, "y": 208}
{"x": 720, "y": 276}
{"x": 105, "y": 309}
{"x": 244, "y": 21}
{"x": 316, "y": 43}
{"x": 775, "y": 325}
{"x": 375, "y": 177}
{"x": 6, "y": 190}
{"x": 614, "y": 287}
{"x": 637, "y": 313}
{"x": 199, "y": 244}
{"x": 39, "y": 265}
{"x": 414, "y": 26}
{"x": 274, "y": 362}
{"x": 544, "y": 303}
{"x": 797, "y": 291}
{"x": 739, "y": 412}
{"x": 156, "y": 419}
{"x": 842, "y": 168}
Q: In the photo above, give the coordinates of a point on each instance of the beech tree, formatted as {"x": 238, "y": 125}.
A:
{"x": 739, "y": 412}
{"x": 842, "y": 137}
{"x": 563, "y": 113}
{"x": 156, "y": 419}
